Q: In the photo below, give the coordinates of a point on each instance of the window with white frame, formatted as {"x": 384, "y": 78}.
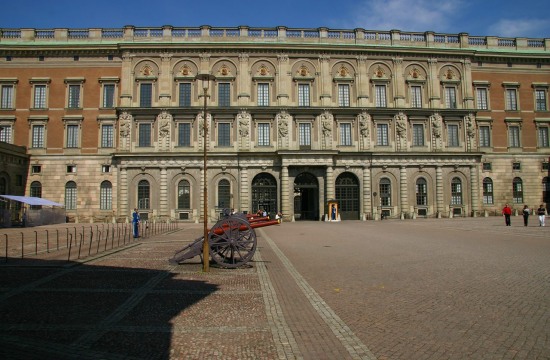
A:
{"x": 450, "y": 97}
{"x": 453, "y": 137}
{"x": 514, "y": 136}
{"x": 456, "y": 191}
{"x": 224, "y": 193}
{"x": 382, "y": 136}
{"x": 74, "y": 92}
{"x": 144, "y": 134}
{"x": 380, "y": 95}
{"x": 38, "y": 131}
{"x": 224, "y": 134}
{"x": 6, "y": 96}
{"x": 6, "y": 129}
{"x": 184, "y": 195}
{"x": 541, "y": 103}
{"x": 70, "y": 195}
{"x": 107, "y": 136}
{"x": 543, "y": 136}
{"x": 143, "y": 195}
{"x": 263, "y": 94}
{"x": 421, "y": 192}
{"x": 385, "y": 192}
{"x": 482, "y": 98}
{"x": 517, "y": 190}
{"x": 488, "y": 191}
{"x": 343, "y": 95}
{"x": 108, "y": 96}
{"x": 304, "y": 134}
{"x": 303, "y": 95}
{"x": 345, "y": 134}
{"x": 40, "y": 96}
{"x": 184, "y": 134}
{"x": 72, "y": 135}
{"x": 511, "y": 99}
{"x": 416, "y": 96}
{"x": 106, "y": 195}
{"x": 263, "y": 134}
{"x": 418, "y": 135}
{"x": 484, "y": 136}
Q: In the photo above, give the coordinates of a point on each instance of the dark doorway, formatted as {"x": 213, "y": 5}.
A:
{"x": 306, "y": 199}
{"x": 347, "y": 195}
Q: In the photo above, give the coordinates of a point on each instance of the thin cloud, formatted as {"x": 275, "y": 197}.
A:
{"x": 520, "y": 28}
{"x": 407, "y": 15}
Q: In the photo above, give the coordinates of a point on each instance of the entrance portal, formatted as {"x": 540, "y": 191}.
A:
{"x": 306, "y": 197}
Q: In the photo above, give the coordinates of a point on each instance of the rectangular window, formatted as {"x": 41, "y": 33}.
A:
{"x": 145, "y": 95}
{"x": 106, "y": 198}
{"x": 513, "y": 137}
{"x": 343, "y": 95}
{"x": 380, "y": 92}
{"x": 7, "y": 96}
{"x": 39, "y": 97}
{"x": 481, "y": 98}
{"x": 540, "y": 98}
{"x": 263, "y": 94}
{"x": 263, "y": 134}
{"x": 418, "y": 135}
{"x": 184, "y": 134}
{"x": 224, "y": 134}
{"x": 516, "y": 166}
{"x": 185, "y": 95}
{"x": 304, "y": 130}
{"x": 487, "y": 166}
{"x": 488, "y": 193}
{"x": 416, "y": 96}
{"x": 38, "y": 136}
{"x": 452, "y": 136}
{"x": 484, "y": 136}
{"x": 345, "y": 134}
{"x": 303, "y": 95}
{"x": 511, "y": 99}
{"x": 107, "y": 136}
{"x": 382, "y": 135}
{"x": 450, "y": 97}
{"x": 144, "y": 135}
{"x": 36, "y": 169}
{"x": 70, "y": 198}
{"x": 108, "y": 96}
{"x": 543, "y": 136}
{"x": 74, "y": 97}
{"x": 5, "y": 133}
{"x": 72, "y": 136}
{"x": 224, "y": 94}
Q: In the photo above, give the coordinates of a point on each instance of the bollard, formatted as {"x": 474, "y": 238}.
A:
{"x": 47, "y": 241}
{"x": 36, "y": 243}
{"x": 6, "y": 235}
{"x": 22, "y": 242}
{"x": 69, "y": 245}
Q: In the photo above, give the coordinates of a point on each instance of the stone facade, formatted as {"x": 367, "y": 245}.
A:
{"x": 427, "y": 125}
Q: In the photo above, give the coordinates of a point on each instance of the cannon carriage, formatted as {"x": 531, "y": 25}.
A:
{"x": 232, "y": 241}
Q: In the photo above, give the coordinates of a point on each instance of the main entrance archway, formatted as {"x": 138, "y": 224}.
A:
{"x": 306, "y": 197}
{"x": 347, "y": 196}
{"x": 264, "y": 193}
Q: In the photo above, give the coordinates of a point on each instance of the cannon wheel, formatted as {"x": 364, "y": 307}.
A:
{"x": 232, "y": 242}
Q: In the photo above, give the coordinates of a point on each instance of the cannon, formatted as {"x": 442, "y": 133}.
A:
{"x": 232, "y": 241}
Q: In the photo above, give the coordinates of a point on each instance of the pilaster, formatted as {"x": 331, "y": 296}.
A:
{"x": 403, "y": 190}
{"x": 163, "y": 192}
{"x": 474, "y": 188}
{"x": 285, "y": 195}
{"x": 245, "y": 200}
{"x": 439, "y": 190}
{"x": 367, "y": 204}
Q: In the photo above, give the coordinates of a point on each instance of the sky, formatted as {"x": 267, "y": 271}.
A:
{"x": 504, "y": 18}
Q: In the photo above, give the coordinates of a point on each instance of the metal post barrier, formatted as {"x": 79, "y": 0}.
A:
{"x": 36, "y": 243}
{"x": 22, "y": 248}
{"x": 91, "y": 240}
{"x": 98, "y": 241}
{"x": 6, "y": 235}
{"x": 69, "y": 245}
{"x": 57, "y": 237}
{"x": 47, "y": 241}
{"x": 80, "y": 245}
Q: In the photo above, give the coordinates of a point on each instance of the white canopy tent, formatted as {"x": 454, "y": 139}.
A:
{"x": 41, "y": 212}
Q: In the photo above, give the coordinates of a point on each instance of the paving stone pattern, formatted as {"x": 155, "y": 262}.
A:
{"x": 413, "y": 289}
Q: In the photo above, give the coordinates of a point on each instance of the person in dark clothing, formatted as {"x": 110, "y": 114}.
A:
{"x": 526, "y": 212}
{"x": 507, "y": 211}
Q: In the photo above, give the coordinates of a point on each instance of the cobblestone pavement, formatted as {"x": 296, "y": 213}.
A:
{"x": 414, "y": 289}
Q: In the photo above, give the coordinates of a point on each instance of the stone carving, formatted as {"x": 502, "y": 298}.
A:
{"x": 401, "y": 125}
{"x": 326, "y": 123}
{"x": 436, "y": 121}
{"x": 243, "y": 119}
{"x": 125, "y": 119}
{"x": 470, "y": 125}
{"x": 364, "y": 121}
{"x": 282, "y": 119}
{"x": 164, "y": 120}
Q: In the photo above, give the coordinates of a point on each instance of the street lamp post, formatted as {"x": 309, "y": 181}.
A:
{"x": 205, "y": 79}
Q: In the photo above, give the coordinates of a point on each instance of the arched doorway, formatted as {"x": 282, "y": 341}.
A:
{"x": 306, "y": 197}
{"x": 347, "y": 196}
{"x": 264, "y": 193}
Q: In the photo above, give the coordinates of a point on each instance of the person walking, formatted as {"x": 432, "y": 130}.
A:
{"x": 507, "y": 211}
{"x": 541, "y": 212}
{"x": 135, "y": 223}
{"x": 526, "y": 213}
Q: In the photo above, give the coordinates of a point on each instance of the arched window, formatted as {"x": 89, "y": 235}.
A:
{"x": 421, "y": 192}
{"x": 546, "y": 190}
{"x": 456, "y": 191}
{"x": 36, "y": 189}
{"x": 517, "y": 190}
{"x": 224, "y": 194}
{"x": 143, "y": 193}
{"x": 70, "y": 195}
{"x": 347, "y": 196}
{"x": 106, "y": 195}
{"x": 184, "y": 195}
{"x": 488, "y": 191}
{"x": 264, "y": 193}
{"x": 385, "y": 192}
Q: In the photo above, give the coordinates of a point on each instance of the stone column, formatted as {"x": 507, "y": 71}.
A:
{"x": 330, "y": 182}
{"x": 367, "y": 191}
{"x": 163, "y": 192}
{"x": 439, "y": 190}
{"x": 403, "y": 194}
{"x": 467, "y": 85}
{"x": 123, "y": 209}
{"x": 474, "y": 188}
{"x": 245, "y": 201}
{"x": 285, "y": 193}
{"x": 126, "y": 81}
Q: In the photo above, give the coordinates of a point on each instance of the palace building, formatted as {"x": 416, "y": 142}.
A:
{"x": 385, "y": 123}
